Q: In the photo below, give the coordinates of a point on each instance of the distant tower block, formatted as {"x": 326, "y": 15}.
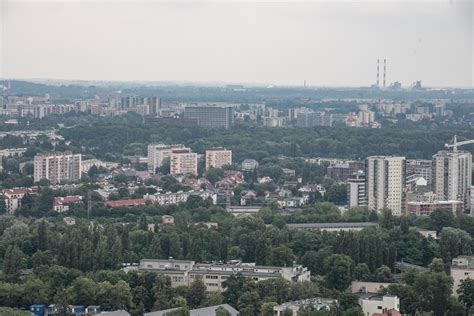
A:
{"x": 378, "y": 64}
{"x": 384, "y": 71}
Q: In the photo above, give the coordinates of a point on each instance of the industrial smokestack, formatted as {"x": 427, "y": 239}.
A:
{"x": 378, "y": 64}
{"x": 384, "y": 71}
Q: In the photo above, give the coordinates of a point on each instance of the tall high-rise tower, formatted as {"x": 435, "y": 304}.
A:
{"x": 378, "y": 72}
{"x": 452, "y": 176}
{"x": 385, "y": 183}
{"x": 384, "y": 71}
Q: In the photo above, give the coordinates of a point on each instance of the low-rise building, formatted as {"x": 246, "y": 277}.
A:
{"x": 128, "y": 202}
{"x": 462, "y": 268}
{"x": 61, "y": 203}
{"x": 184, "y": 272}
{"x": 69, "y": 221}
{"x": 376, "y": 305}
{"x": 316, "y": 303}
{"x": 332, "y": 227}
{"x": 167, "y": 219}
{"x": 368, "y": 287}
{"x": 203, "y": 311}
{"x": 426, "y": 208}
{"x": 249, "y": 165}
{"x": 14, "y": 196}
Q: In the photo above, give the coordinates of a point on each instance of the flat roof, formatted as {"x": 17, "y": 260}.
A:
{"x": 333, "y": 225}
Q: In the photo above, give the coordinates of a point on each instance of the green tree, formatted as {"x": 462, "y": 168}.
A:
{"x": 221, "y": 311}
{"x": 249, "y": 303}
{"x": 83, "y": 291}
{"x": 466, "y": 293}
{"x": 267, "y": 308}
{"x": 441, "y": 218}
{"x": 383, "y": 274}
{"x": 347, "y": 300}
{"x": 436, "y": 265}
{"x": 362, "y": 272}
{"x": 196, "y": 293}
{"x": 386, "y": 219}
{"x": 434, "y": 291}
{"x": 13, "y": 262}
{"x": 338, "y": 271}
{"x": 454, "y": 242}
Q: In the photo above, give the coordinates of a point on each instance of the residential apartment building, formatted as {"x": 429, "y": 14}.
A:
{"x": 385, "y": 183}
{"x": 378, "y": 305}
{"x": 462, "y": 268}
{"x": 421, "y": 168}
{"x": 218, "y": 157}
{"x": 214, "y": 116}
{"x": 310, "y": 119}
{"x": 357, "y": 194}
{"x": 57, "y": 166}
{"x": 157, "y": 153}
{"x": 184, "y": 272}
{"x": 183, "y": 161}
{"x": 14, "y": 196}
{"x": 452, "y": 172}
{"x": 249, "y": 165}
{"x": 420, "y": 208}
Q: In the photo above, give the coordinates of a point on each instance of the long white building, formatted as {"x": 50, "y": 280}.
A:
{"x": 386, "y": 183}
{"x": 184, "y": 272}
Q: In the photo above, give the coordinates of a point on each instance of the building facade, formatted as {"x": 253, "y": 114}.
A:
{"x": 184, "y": 272}
{"x": 57, "y": 167}
{"x": 218, "y": 157}
{"x": 157, "y": 153}
{"x": 452, "y": 172}
{"x": 462, "y": 268}
{"x": 385, "y": 183}
{"x": 214, "y": 116}
{"x": 183, "y": 161}
{"x": 357, "y": 192}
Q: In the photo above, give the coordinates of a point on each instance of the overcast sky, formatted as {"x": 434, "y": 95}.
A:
{"x": 324, "y": 43}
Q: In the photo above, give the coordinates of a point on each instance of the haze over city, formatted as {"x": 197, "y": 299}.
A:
{"x": 324, "y": 43}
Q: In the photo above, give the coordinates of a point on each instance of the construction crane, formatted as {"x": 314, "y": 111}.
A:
{"x": 454, "y": 143}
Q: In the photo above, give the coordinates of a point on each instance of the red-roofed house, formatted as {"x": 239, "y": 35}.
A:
{"x": 13, "y": 197}
{"x": 130, "y": 202}
{"x": 61, "y": 203}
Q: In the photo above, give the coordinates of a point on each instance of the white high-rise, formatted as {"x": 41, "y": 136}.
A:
{"x": 385, "y": 178}
{"x": 452, "y": 172}
{"x": 57, "y": 166}
{"x": 157, "y": 153}
{"x": 357, "y": 192}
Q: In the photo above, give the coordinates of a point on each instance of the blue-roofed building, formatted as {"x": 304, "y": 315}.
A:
{"x": 76, "y": 310}
{"x": 38, "y": 309}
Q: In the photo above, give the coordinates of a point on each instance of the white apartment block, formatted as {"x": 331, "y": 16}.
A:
{"x": 386, "y": 183}
{"x": 57, "y": 166}
{"x": 183, "y": 161}
{"x": 462, "y": 268}
{"x": 357, "y": 191}
{"x": 218, "y": 157}
{"x": 157, "y": 153}
{"x": 452, "y": 173}
{"x": 184, "y": 272}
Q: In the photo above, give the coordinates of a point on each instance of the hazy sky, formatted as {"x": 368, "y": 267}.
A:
{"x": 326, "y": 43}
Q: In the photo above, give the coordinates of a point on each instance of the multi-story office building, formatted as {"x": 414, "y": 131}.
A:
{"x": 157, "y": 153}
{"x": 57, "y": 166}
{"x": 452, "y": 172}
{"x": 183, "y": 161}
{"x": 184, "y": 272}
{"x": 357, "y": 193}
{"x": 218, "y": 157}
{"x": 385, "y": 183}
{"x": 213, "y": 116}
{"x": 421, "y": 168}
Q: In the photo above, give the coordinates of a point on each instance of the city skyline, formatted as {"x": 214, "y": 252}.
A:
{"x": 322, "y": 43}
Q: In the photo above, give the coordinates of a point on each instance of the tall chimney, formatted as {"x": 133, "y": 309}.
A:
{"x": 378, "y": 63}
{"x": 384, "y": 71}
